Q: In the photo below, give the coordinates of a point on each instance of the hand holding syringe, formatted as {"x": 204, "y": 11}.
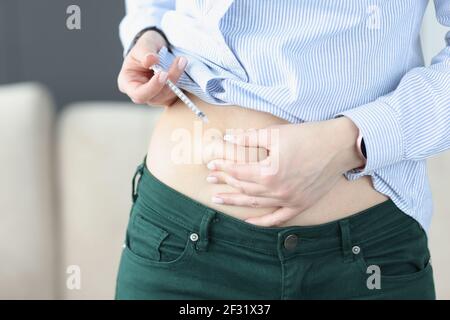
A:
{"x": 182, "y": 96}
{"x": 144, "y": 87}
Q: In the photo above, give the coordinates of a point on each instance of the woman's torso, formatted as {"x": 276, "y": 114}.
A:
{"x": 178, "y": 153}
{"x": 299, "y": 60}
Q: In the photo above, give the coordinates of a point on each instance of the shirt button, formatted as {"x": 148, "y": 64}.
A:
{"x": 291, "y": 241}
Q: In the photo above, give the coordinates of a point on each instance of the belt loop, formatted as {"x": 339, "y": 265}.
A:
{"x": 134, "y": 187}
{"x": 208, "y": 217}
{"x": 346, "y": 240}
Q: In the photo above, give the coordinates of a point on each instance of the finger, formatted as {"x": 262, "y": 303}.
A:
{"x": 217, "y": 149}
{"x": 177, "y": 68}
{"x": 242, "y": 200}
{"x": 175, "y": 71}
{"x": 146, "y": 53}
{"x": 276, "y": 218}
{"x": 250, "y": 172}
{"x": 132, "y": 71}
{"x": 247, "y": 188}
{"x": 141, "y": 93}
{"x": 149, "y": 60}
{"x": 252, "y": 137}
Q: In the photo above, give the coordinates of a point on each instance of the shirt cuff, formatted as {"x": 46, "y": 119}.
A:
{"x": 131, "y": 26}
{"x": 383, "y": 138}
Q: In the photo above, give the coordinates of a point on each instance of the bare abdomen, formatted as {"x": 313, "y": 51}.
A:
{"x": 181, "y": 144}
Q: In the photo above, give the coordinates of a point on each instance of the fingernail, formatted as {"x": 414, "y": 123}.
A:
{"x": 228, "y": 137}
{"x": 217, "y": 200}
{"x": 151, "y": 55}
{"x": 182, "y": 62}
{"x": 212, "y": 179}
{"x": 163, "y": 77}
{"x": 211, "y": 166}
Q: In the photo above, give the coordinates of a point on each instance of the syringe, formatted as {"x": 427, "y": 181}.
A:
{"x": 183, "y": 97}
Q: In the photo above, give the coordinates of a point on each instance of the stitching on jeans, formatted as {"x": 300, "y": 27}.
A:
{"x": 388, "y": 231}
{"x": 304, "y": 254}
{"x": 244, "y": 246}
{"x": 161, "y": 215}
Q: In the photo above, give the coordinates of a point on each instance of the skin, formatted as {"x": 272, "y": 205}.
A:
{"x": 140, "y": 83}
{"x": 311, "y": 157}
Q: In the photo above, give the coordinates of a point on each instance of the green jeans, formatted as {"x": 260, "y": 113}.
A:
{"x": 177, "y": 248}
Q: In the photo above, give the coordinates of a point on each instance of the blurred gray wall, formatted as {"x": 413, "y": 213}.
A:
{"x": 35, "y": 45}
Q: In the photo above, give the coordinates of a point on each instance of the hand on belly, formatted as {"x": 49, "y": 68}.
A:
{"x": 284, "y": 180}
{"x": 303, "y": 164}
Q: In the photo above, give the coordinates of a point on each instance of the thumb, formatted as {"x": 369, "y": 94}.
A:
{"x": 149, "y": 60}
{"x": 146, "y": 54}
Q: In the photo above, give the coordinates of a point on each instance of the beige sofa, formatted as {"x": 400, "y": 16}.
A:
{"x": 65, "y": 191}
{"x": 65, "y": 194}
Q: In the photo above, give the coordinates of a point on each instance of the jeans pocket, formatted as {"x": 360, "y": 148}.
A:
{"x": 157, "y": 245}
{"x": 401, "y": 255}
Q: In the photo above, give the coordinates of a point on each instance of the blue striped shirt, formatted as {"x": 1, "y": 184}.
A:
{"x": 314, "y": 60}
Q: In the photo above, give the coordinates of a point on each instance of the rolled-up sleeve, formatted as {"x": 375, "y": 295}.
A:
{"x": 413, "y": 121}
{"x": 141, "y": 14}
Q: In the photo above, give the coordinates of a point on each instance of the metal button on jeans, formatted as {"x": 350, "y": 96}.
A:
{"x": 291, "y": 241}
{"x": 356, "y": 250}
{"x": 193, "y": 237}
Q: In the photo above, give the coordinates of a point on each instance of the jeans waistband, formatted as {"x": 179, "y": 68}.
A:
{"x": 377, "y": 221}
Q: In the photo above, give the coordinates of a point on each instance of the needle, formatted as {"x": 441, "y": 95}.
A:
{"x": 180, "y": 94}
